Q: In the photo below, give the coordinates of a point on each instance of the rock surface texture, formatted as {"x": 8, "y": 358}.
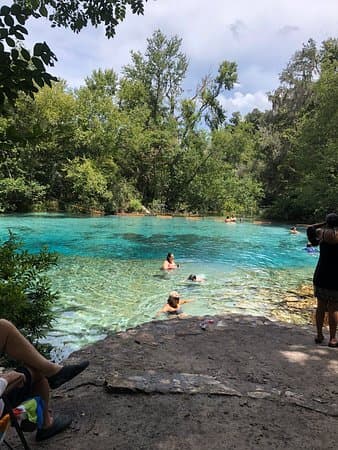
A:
{"x": 232, "y": 382}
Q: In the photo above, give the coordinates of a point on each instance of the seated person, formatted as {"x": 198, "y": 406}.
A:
{"x": 172, "y": 307}
{"x": 36, "y": 378}
{"x": 169, "y": 262}
{"x": 195, "y": 278}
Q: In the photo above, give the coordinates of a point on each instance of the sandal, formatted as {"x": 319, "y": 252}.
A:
{"x": 333, "y": 344}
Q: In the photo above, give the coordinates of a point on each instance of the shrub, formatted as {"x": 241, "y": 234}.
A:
{"x": 25, "y": 290}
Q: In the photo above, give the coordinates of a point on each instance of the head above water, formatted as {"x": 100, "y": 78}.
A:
{"x": 332, "y": 220}
{"x": 170, "y": 257}
{"x": 192, "y": 277}
{"x": 173, "y": 299}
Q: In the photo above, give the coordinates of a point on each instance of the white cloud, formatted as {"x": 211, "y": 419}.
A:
{"x": 260, "y": 36}
{"x": 245, "y": 103}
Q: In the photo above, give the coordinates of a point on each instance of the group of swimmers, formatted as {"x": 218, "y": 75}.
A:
{"x": 174, "y": 302}
{"x": 229, "y": 219}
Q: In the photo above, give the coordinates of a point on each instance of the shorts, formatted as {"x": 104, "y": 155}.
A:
{"x": 18, "y": 395}
{"x": 328, "y": 296}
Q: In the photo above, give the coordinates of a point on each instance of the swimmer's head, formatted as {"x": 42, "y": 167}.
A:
{"x": 192, "y": 277}
{"x": 170, "y": 257}
{"x": 173, "y": 299}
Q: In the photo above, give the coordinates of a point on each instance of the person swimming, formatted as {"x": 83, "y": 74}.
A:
{"x": 173, "y": 305}
{"x": 169, "y": 262}
{"x": 195, "y": 278}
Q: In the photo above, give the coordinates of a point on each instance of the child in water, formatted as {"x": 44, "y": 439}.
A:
{"x": 195, "y": 278}
{"x": 173, "y": 305}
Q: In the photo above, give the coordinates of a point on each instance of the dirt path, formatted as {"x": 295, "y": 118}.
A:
{"x": 240, "y": 383}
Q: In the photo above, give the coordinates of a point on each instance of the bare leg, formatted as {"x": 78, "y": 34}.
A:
{"x": 51, "y": 425}
{"x": 320, "y": 314}
{"x": 333, "y": 321}
{"x": 16, "y": 346}
{"x": 41, "y": 387}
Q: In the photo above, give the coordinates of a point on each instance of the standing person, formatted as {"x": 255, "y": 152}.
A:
{"x": 37, "y": 377}
{"x": 169, "y": 262}
{"x": 325, "y": 279}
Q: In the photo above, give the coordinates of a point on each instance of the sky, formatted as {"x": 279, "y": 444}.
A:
{"x": 260, "y": 36}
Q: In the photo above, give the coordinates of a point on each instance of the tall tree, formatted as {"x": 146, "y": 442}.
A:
{"x": 161, "y": 70}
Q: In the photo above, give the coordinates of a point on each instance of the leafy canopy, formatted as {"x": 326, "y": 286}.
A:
{"x": 22, "y": 70}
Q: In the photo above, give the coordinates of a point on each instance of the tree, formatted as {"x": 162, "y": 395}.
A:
{"x": 206, "y": 103}
{"x": 161, "y": 71}
{"x": 22, "y": 71}
{"x": 102, "y": 82}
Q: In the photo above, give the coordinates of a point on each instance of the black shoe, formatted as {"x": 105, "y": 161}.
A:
{"x": 60, "y": 423}
{"x": 66, "y": 374}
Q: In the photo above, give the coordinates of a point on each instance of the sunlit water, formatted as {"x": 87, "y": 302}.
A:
{"x": 108, "y": 274}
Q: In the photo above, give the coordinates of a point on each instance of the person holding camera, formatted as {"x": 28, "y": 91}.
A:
{"x": 325, "y": 279}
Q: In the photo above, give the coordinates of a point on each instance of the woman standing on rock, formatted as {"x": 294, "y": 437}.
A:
{"x": 325, "y": 278}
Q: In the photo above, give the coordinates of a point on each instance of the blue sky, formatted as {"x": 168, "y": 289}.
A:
{"x": 259, "y": 35}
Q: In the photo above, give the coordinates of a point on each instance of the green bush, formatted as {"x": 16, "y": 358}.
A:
{"x": 18, "y": 194}
{"x": 26, "y": 297}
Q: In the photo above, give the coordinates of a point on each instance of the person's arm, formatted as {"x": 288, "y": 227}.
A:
{"x": 164, "y": 309}
{"x": 165, "y": 265}
{"x": 313, "y": 233}
{"x": 182, "y": 301}
{"x": 13, "y": 379}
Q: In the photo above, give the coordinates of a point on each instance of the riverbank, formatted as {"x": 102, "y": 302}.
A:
{"x": 232, "y": 382}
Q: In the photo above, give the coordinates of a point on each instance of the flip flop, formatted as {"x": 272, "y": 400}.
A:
{"x": 333, "y": 344}
{"x": 60, "y": 423}
{"x": 65, "y": 374}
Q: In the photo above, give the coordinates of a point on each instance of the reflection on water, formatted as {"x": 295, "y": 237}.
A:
{"x": 108, "y": 275}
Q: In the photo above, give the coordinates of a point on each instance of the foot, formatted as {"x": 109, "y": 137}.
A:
{"x": 333, "y": 343}
{"x": 66, "y": 373}
{"x": 59, "y": 424}
{"x": 319, "y": 339}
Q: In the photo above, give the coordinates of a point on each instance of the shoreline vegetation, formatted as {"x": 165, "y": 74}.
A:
{"x": 135, "y": 143}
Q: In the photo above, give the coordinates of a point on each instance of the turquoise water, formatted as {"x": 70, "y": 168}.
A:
{"x": 108, "y": 275}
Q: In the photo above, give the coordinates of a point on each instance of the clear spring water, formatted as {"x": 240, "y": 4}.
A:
{"x": 108, "y": 274}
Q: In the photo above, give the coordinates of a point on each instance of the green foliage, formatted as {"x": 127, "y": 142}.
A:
{"x": 87, "y": 186}
{"x": 161, "y": 71}
{"x": 19, "y": 194}
{"x": 123, "y": 144}
{"x": 21, "y": 71}
{"x": 26, "y": 298}
{"x": 299, "y": 140}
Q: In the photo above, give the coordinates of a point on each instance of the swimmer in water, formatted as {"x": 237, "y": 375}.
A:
{"x": 195, "y": 278}
{"x": 173, "y": 305}
{"x": 169, "y": 262}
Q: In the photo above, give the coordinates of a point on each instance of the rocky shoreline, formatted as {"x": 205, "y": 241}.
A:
{"x": 225, "y": 382}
